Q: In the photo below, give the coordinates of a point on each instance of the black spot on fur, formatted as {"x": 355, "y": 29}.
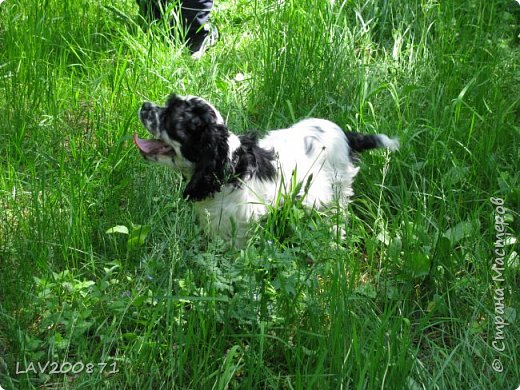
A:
{"x": 308, "y": 143}
{"x": 318, "y": 129}
{"x": 360, "y": 142}
{"x": 189, "y": 122}
{"x": 210, "y": 157}
{"x": 252, "y": 161}
{"x": 193, "y": 124}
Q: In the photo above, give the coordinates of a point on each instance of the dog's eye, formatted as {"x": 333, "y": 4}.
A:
{"x": 194, "y": 124}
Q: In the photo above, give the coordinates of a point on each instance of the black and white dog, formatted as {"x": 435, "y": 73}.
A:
{"x": 232, "y": 179}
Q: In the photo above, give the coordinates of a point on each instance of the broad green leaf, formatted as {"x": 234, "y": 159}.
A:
{"x": 461, "y": 230}
{"x": 419, "y": 264}
{"x": 118, "y": 229}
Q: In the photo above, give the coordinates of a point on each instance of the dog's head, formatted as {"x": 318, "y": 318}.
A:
{"x": 190, "y": 136}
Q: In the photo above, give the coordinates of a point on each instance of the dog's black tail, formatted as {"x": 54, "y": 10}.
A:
{"x": 360, "y": 142}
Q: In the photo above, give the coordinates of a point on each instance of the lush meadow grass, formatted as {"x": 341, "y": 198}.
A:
{"x": 101, "y": 261}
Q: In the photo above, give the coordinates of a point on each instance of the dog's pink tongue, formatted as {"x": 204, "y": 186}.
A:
{"x": 148, "y": 146}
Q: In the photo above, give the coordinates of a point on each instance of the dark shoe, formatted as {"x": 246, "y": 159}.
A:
{"x": 203, "y": 40}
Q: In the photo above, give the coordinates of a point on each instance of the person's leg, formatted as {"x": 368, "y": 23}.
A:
{"x": 195, "y": 14}
{"x": 151, "y": 10}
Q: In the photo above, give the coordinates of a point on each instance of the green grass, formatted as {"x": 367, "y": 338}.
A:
{"x": 405, "y": 301}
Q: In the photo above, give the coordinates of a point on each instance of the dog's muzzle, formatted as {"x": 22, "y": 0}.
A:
{"x": 149, "y": 116}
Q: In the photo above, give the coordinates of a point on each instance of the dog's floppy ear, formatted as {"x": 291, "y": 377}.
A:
{"x": 210, "y": 168}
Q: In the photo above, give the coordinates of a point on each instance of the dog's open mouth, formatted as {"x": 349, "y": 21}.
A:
{"x": 152, "y": 146}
